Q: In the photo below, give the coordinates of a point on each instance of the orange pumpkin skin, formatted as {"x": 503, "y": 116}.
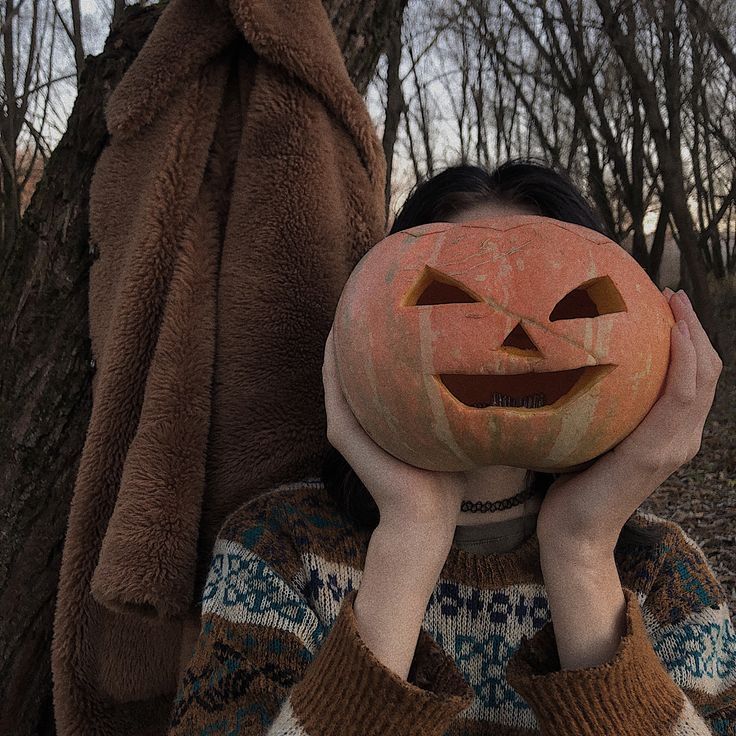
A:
{"x": 441, "y": 316}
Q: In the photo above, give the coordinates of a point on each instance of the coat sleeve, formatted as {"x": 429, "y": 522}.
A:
{"x": 265, "y": 664}
{"x": 673, "y": 674}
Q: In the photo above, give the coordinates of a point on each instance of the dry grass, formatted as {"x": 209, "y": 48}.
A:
{"x": 701, "y": 496}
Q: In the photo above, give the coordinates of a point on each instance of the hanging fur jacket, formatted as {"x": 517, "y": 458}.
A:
{"x": 242, "y": 182}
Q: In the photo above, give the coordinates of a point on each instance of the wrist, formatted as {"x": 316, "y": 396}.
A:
{"x": 433, "y": 535}
{"x": 567, "y": 551}
{"x": 415, "y": 549}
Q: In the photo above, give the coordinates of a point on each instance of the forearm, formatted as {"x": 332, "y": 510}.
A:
{"x": 586, "y": 602}
{"x": 402, "y": 566}
{"x": 582, "y": 673}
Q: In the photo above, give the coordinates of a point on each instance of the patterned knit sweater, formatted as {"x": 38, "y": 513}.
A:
{"x": 279, "y": 652}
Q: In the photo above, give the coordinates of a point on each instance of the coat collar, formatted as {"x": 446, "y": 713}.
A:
{"x": 294, "y": 34}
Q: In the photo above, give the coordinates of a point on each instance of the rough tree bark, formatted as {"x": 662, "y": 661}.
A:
{"x": 45, "y": 374}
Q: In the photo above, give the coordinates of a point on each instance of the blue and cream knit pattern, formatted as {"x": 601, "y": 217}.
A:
{"x": 279, "y": 652}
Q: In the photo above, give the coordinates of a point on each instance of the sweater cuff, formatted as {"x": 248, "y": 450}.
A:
{"x": 347, "y": 691}
{"x": 632, "y": 694}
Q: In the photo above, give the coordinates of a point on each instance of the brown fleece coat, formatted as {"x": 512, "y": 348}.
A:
{"x": 242, "y": 183}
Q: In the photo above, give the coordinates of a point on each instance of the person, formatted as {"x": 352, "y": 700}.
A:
{"x": 382, "y": 598}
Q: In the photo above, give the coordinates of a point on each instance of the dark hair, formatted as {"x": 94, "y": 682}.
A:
{"x": 519, "y": 181}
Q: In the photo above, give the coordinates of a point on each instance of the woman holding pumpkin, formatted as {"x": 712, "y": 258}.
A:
{"x": 379, "y": 599}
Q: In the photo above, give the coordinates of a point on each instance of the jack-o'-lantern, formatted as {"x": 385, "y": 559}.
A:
{"x": 520, "y": 340}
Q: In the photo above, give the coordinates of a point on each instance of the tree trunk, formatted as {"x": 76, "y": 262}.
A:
{"x": 77, "y": 37}
{"x": 362, "y": 28}
{"x": 45, "y": 378}
{"x": 667, "y": 142}
{"x": 657, "y": 248}
{"x": 394, "y": 103}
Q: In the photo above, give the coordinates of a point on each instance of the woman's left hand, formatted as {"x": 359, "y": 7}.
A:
{"x": 584, "y": 512}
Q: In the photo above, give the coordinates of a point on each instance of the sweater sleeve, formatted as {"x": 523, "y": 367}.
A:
{"x": 264, "y": 664}
{"x": 674, "y": 675}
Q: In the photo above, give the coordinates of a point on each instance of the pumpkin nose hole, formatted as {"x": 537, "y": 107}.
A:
{"x": 519, "y": 342}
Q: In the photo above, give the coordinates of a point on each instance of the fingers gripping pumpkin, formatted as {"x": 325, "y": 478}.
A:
{"x": 521, "y": 340}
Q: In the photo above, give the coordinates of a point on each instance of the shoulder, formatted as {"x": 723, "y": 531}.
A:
{"x": 283, "y": 508}
{"x": 682, "y": 580}
{"x": 286, "y": 522}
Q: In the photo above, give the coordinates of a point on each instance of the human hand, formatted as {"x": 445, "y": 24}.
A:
{"x": 587, "y": 510}
{"x": 402, "y": 492}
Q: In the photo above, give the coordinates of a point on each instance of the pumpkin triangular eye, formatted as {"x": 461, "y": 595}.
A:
{"x": 590, "y": 299}
{"x": 435, "y": 287}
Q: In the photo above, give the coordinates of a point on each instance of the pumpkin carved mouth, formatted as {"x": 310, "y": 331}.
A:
{"x": 539, "y": 390}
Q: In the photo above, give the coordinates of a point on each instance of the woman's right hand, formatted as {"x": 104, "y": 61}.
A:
{"x": 403, "y": 493}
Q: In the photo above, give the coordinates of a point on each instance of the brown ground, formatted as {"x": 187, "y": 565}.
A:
{"x": 701, "y": 496}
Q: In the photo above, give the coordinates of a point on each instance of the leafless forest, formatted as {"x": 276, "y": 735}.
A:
{"x": 635, "y": 99}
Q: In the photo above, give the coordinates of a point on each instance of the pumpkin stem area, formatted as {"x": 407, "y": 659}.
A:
{"x": 525, "y": 391}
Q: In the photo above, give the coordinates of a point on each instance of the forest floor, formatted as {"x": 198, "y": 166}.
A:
{"x": 701, "y": 496}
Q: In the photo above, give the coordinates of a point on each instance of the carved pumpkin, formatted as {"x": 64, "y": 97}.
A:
{"x": 522, "y": 341}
